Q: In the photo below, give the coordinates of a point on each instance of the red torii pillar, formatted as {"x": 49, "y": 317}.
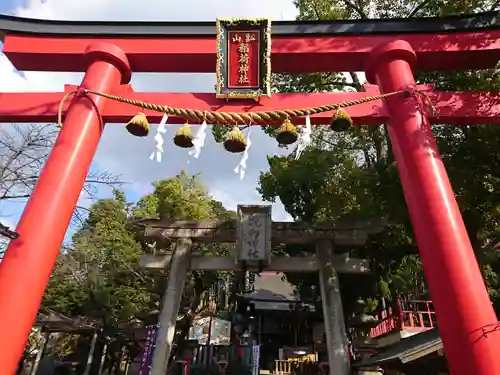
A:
{"x": 28, "y": 262}
{"x": 467, "y": 322}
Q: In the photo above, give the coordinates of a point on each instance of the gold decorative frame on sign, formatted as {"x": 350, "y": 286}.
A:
{"x": 221, "y": 90}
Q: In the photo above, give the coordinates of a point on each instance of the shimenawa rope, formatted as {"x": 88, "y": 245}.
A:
{"x": 228, "y": 118}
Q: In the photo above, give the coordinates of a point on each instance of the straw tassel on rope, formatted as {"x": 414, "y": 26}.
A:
{"x": 341, "y": 121}
{"x": 138, "y": 125}
{"x": 287, "y": 133}
{"x": 184, "y": 137}
{"x": 235, "y": 141}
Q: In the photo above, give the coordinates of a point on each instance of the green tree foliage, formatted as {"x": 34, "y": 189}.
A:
{"x": 182, "y": 196}
{"x": 99, "y": 278}
{"x": 352, "y": 175}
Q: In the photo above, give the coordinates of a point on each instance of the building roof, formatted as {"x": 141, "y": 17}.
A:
{"x": 272, "y": 292}
{"x": 407, "y": 350}
{"x": 52, "y": 321}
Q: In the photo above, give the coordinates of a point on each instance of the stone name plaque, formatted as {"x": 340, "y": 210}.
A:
{"x": 254, "y": 235}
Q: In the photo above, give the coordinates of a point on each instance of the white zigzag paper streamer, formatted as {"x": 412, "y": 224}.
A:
{"x": 304, "y": 138}
{"x": 199, "y": 141}
{"x": 241, "y": 168}
{"x": 160, "y": 131}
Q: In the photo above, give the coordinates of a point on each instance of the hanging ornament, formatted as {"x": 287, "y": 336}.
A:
{"x": 235, "y": 141}
{"x": 241, "y": 168}
{"x": 341, "y": 121}
{"x": 160, "y": 131}
{"x": 304, "y": 138}
{"x": 199, "y": 140}
{"x": 184, "y": 137}
{"x": 287, "y": 133}
{"x": 138, "y": 125}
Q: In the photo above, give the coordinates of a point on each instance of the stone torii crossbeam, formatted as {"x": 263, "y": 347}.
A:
{"x": 254, "y": 233}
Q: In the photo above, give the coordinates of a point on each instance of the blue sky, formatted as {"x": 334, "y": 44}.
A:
{"x": 127, "y": 156}
{"x": 6, "y": 6}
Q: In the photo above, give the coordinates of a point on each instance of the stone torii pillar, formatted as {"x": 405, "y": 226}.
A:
{"x": 170, "y": 306}
{"x": 333, "y": 314}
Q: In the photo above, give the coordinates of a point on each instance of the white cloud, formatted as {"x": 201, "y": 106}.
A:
{"x": 127, "y": 156}
{"x": 157, "y": 10}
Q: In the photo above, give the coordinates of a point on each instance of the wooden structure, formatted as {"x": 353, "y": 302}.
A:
{"x": 49, "y": 324}
{"x": 420, "y": 353}
{"x": 289, "y": 329}
{"x": 405, "y": 318}
{"x": 254, "y": 233}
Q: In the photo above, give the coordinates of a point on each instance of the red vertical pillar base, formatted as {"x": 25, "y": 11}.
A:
{"x": 28, "y": 261}
{"x": 467, "y": 322}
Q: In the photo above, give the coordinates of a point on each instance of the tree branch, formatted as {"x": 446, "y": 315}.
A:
{"x": 495, "y": 5}
{"x": 356, "y": 83}
{"x": 315, "y": 8}
{"x": 347, "y": 84}
{"x": 418, "y": 8}
{"x": 355, "y": 8}
{"x": 105, "y": 182}
{"x": 7, "y": 232}
{"x": 22, "y": 196}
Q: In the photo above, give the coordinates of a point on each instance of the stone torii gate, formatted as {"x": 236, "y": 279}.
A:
{"x": 254, "y": 233}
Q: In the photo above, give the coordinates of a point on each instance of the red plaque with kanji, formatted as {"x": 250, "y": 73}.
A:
{"x": 243, "y": 58}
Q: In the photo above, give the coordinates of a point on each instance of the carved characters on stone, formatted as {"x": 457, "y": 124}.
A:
{"x": 254, "y": 234}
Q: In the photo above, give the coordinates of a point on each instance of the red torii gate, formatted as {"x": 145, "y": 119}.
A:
{"x": 387, "y": 50}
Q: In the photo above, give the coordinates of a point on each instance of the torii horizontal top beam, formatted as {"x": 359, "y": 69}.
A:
{"x": 459, "y": 42}
{"x": 456, "y": 108}
{"x": 282, "y": 232}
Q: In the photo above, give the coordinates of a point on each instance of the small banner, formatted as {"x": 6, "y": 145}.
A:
{"x": 243, "y": 58}
{"x": 147, "y": 354}
{"x": 255, "y": 360}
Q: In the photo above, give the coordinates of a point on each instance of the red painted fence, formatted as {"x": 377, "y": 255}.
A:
{"x": 405, "y": 315}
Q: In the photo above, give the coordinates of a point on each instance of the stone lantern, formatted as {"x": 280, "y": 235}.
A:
{"x": 362, "y": 324}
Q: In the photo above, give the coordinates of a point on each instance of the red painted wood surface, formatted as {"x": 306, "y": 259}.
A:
{"x": 239, "y": 44}
{"x": 472, "y": 50}
{"x": 27, "y": 264}
{"x": 463, "y": 308}
{"x": 456, "y": 108}
{"x": 408, "y": 316}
